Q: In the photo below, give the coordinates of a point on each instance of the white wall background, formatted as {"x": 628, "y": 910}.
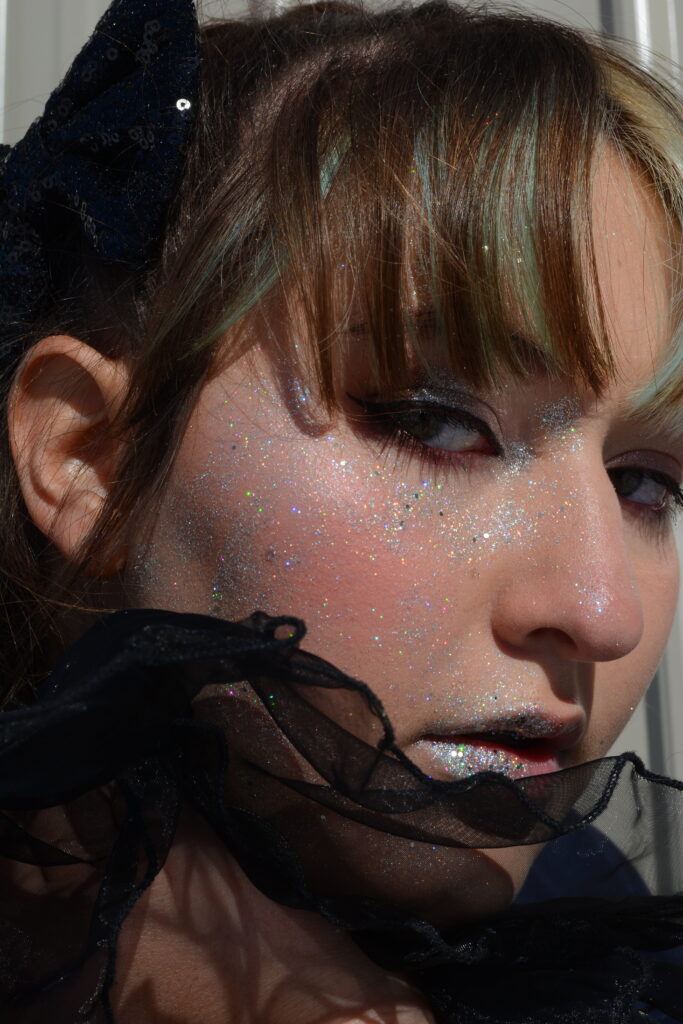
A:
{"x": 38, "y": 40}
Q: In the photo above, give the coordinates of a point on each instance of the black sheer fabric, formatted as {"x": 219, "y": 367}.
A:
{"x": 295, "y": 766}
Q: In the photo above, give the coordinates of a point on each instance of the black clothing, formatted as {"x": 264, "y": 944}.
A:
{"x": 151, "y": 709}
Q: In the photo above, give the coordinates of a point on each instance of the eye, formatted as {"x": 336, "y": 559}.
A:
{"x": 443, "y": 430}
{"x": 646, "y": 487}
{"x": 419, "y": 423}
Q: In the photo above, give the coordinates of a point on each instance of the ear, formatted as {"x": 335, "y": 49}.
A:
{"x": 60, "y": 412}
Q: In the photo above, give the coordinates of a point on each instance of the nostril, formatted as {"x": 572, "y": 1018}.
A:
{"x": 604, "y": 630}
{"x": 579, "y": 622}
{"x": 547, "y": 640}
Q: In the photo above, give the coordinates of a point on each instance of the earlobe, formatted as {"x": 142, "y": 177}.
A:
{"x": 62, "y": 404}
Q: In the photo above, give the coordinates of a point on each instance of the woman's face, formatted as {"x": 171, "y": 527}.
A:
{"x": 498, "y": 567}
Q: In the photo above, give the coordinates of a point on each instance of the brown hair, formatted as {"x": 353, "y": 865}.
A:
{"x": 424, "y": 156}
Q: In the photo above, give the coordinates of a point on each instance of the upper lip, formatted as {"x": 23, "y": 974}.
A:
{"x": 523, "y": 728}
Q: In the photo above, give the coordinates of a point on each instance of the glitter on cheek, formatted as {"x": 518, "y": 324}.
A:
{"x": 273, "y": 519}
{"x": 350, "y": 528}
{"x": 519, "y": 455}
{"x": 469, "y": 524}
{"x": 144, "y": 568}
{"x": 340, "y": 524}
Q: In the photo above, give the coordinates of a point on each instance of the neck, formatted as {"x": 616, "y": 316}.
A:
{"x": 204, "y": 946}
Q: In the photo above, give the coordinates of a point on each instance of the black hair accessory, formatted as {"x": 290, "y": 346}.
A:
{"x": 98, "y": 169}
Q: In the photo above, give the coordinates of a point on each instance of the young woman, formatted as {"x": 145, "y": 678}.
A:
{"x": 370, "y": 321}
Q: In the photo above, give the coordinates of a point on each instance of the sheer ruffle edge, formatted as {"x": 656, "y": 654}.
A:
{"x": 152, "y": 711}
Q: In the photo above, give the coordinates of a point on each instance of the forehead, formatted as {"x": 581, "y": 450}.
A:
{"x": 635, "y": 247}
{"x": 627, "y": 245}
{"x": 634, "y": 253}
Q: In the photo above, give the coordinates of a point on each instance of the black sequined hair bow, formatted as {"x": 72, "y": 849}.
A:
{"x": 98, "y": 169}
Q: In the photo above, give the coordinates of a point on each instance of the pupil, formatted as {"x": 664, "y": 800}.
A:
{"x": 422, "y": 424}
{"x": 629, "y": 481}
{"x": 652, "y": 492}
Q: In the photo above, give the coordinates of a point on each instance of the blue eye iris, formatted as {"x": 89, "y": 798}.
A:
{"x": 645, "y": 487}
{"x": 431, "y": 425}
{"x": 438, "y": 430}
{"x": 439, "y": 433}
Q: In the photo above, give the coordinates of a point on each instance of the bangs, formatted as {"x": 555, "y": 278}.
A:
{"x": 424, "y": 182}
{"x": 448, "y": 184}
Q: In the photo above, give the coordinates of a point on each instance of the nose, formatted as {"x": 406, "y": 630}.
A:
{"x": 573, "y": 592}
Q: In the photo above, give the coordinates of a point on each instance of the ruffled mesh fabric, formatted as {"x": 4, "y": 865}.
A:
{"x": 295, "y": 766}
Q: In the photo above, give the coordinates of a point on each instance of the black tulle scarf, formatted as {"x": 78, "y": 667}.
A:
{"x": 152, "y": 709}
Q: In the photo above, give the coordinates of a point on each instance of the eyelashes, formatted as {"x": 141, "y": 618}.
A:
{"x": 435, "y": 432}
{"x": 657, "y": 490}
{"x": 441, "y": 436}
{"x": 428, "y": 437}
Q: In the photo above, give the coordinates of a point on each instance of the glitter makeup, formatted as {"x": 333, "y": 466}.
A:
{"x": 507, "y": 575}
{"x": 461, "y": 758}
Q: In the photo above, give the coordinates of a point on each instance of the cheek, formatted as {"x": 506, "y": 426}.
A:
{"x": 392, "y": 576}
{"x": 620, "y": 685}
{"x": 273, "y": 526}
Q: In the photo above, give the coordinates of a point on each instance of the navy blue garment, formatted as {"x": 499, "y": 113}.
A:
{"x": 582, "y": 863}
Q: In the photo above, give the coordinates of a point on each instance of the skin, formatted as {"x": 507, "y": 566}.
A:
{"x": 389, "y": 594}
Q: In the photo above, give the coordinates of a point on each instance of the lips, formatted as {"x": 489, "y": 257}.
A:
{"x": 461, "y": 756}
{"x": 519, "y": 747}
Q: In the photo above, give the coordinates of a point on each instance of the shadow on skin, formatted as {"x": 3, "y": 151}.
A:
{"x": 205, "y": 946}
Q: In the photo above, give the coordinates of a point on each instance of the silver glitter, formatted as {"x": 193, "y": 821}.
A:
{"x": 460, "y": 760}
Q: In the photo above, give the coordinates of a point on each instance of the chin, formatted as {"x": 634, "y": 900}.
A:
{"x": 349, "y": 863}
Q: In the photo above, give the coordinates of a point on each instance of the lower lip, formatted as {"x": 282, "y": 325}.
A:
{"x": 458, "y": 758}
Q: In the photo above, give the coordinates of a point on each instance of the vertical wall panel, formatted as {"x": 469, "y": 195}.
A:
{"x": 208, "y": 9}
{"x": 43, "y": 38}
{"x": 583, "y": 14}
{"x": 3, "y": 64}
{"x": 655, "y": 25}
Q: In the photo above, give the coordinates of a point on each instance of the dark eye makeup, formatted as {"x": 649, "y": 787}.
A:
{"x": 444, "y": 430}
{"x": 647, "y": 487}
{"x": 441, "y": 434}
